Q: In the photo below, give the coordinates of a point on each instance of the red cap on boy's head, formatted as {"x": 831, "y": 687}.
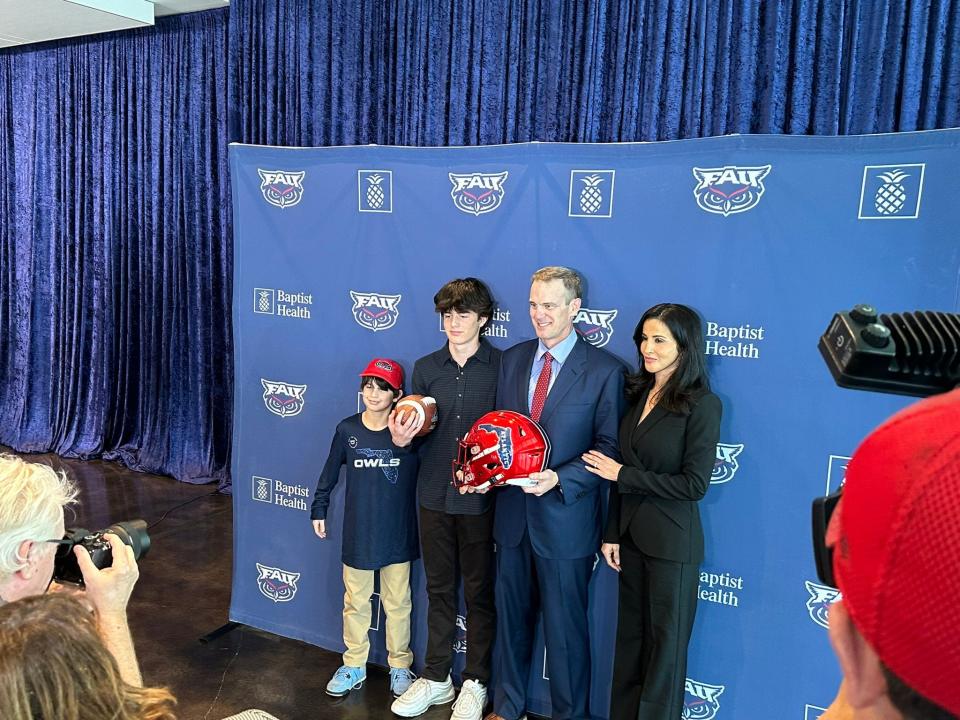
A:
{"x": 896, "y": 546}
{"x": 385, "y": 369}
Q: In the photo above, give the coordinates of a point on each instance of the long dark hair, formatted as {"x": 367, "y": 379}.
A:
{"x": 691, "y": 373}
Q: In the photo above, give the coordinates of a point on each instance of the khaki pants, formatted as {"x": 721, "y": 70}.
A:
{"x": 395, "y": 598}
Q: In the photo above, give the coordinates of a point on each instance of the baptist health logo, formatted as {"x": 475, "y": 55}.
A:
{"x": 591, "y": 193}
{"x": 720, "y": 588}
{"x": 477, "y": 193}
{"x": 275, "y": 492}
{"x": 375, "y": 191}
{"x": 734, "y": 341}
{"x": 282, "y": 398}
{"x": 725, "y": 465}
{"x": 891, "y": 192}
{"x": 700, "y": 700}
{"x": 282, "y": 188}
{"x": 821, "y": 597}
{"x": 595, "y": 326}
{"x": 277, "y": 584}
{"x": 375, "y": 311}
{"x": 275, "y": 301}
{"x": 729, "y": 189}
{"x": 813, "y": 712}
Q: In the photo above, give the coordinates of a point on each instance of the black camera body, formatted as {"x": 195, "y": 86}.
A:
{"x": 65, "y": 566}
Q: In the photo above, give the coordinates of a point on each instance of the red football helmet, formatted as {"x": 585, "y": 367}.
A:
{"x": 511, "y": 446}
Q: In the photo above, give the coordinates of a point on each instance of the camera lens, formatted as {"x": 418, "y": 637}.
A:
{"x": 134, "y": 534}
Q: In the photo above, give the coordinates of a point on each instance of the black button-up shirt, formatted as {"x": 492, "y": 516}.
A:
{"x": 463, "y": 394}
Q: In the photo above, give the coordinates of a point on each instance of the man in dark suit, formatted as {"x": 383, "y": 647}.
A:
{"x": 547, "y": 534}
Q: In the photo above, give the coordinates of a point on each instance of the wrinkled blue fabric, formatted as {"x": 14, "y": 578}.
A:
{"x": 432, "y": 72}
{"x": 115, "y": 248}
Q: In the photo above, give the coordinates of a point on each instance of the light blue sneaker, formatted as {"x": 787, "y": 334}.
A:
{"x": 400, "y": 680}
{"x": 345, "y": 679}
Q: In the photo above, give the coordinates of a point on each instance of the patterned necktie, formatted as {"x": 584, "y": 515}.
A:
{"x": 540, "y": 391}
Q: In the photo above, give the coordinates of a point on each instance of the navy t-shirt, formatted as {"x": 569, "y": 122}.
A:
{"x": 379, "y": 509}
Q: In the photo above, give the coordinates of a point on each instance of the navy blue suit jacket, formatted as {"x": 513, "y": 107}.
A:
{"x": 582, "y": 412}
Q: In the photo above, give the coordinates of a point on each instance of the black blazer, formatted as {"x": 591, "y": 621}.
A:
{"x": 668, "y": 460}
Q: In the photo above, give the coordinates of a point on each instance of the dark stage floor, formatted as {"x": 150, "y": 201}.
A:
{"x": 184, "y": 593}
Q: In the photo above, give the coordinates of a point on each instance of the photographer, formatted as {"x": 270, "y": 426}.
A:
{"x": 32, "y": 500}
{"x": 895, "y": 537}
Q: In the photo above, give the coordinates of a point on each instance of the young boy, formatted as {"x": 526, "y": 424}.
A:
{"x": 379, "y": 527}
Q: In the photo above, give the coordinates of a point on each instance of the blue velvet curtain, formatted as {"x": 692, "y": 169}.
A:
{"x": 434, "y": 72}
{"x": 115, "y": 238}
{"x": 115, "y": 248}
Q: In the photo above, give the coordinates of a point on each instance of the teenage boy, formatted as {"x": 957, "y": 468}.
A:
{"x": 379, "y": 527}
{"x": 454, "y": 528}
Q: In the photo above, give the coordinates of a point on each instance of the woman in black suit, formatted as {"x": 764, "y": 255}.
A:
{"x": 654, "y": 538}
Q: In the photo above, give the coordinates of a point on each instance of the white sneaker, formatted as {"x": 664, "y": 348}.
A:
{"x": 421, "y": 695}
{"x": 470, "y": 704}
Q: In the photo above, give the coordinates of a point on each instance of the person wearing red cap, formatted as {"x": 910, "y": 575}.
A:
{"x": 379, "y": 527}
{"x": 895, "y": 536}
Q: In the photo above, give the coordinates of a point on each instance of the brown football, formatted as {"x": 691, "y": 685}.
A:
{"x": 424, "y": 407}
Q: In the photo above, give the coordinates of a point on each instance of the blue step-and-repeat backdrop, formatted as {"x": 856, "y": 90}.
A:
{"x": 340, "y": 250}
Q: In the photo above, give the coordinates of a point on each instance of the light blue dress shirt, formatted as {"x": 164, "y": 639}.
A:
{"x": 559, "y": 353}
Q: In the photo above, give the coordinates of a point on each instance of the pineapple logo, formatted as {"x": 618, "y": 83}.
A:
{"x": 375, "y": 190}
{"x": 891, "y": 196}
{"x": 264, "y": 300}
{"x": 891, "y": 192}
{"x": 591, "y": 193}
{"x": 262, "y": 489}
{"x": 590, "y": 197}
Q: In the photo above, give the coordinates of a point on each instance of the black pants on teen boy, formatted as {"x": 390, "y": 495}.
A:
{"x": 465, "y": 543}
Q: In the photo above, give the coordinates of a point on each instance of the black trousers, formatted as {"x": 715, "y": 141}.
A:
{"x": 463, "y": 543}
{"x": 658, "y": 602}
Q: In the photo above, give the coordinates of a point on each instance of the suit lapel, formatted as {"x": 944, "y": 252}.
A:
{"x": 649, "y": 422}
{"x": 569, "y": 373}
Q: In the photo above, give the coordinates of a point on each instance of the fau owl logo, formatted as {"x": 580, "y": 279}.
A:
{"x": 700, "y": 700}
{"x": 375, "y": 311}
{"x": 818, "y": 604}
{"x": 725, "y": 466}
{"x": 276, "y": 584}
{"x": 477, "y": 193}
{"x": 283, "y": 399}
{"x": 282, "y": 188}
{"x": 729, "y": 189}
{"x": 505, "y": 446}
{"x": 595, "y": 326}
{"x": 460, "y": 642}
{"x": 383, "y": 459}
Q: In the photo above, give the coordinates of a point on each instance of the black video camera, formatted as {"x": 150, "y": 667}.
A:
{"x": 65, "y": 566}
{"x": 914, "y": 353}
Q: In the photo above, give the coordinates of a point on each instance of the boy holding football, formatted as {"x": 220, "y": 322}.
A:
{"x": 456, "y": 531}
{"x": 379, "y": 527}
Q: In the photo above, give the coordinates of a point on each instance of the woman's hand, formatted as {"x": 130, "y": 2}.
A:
{"x": 320, "y": 528}
{"x": 611, "y": 553}
{"x": 600, "y": 464}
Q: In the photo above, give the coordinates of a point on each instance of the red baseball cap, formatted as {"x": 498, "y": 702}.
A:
{"x": 896, "y": 540}
{"x": 385, "y": 369}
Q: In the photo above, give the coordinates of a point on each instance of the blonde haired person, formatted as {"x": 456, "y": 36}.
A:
{"x": 32, "y": 499}
{"x": 54, "y": 666}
